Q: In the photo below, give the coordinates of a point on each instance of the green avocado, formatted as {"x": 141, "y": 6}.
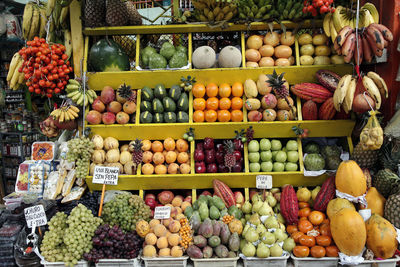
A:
{"x": 169, "y": 104}
{"x": 145, "y": 106}
{"x": 146, "y": 117}
{"x": 158, "y": 118}
{"x": 159, "y": 91}
{"x": 147, "y": 94}
{"x": 175, "y": 92}
{"x": 157, "y": 106}
{"x": 170, "y": 117}
{"x": 182, "y": 117}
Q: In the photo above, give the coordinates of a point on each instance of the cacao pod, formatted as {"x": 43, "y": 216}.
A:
{"x": 289, "y": 205}
{"x": 310, "y": 110}
{"x": 328, "y": 79}
{"x": 326, "y": 194}
{"x": 224, "y": 192}
{"x": 327, "y": 110}
{"x": 311, "y": 91}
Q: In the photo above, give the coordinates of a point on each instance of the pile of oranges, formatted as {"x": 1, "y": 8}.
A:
{"x": 312, "y": 234}
{"x": 213, "y": 103}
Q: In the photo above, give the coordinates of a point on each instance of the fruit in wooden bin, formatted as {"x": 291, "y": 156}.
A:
{"x": 107, "y": 95}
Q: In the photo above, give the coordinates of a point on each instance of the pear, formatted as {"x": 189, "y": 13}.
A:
{"x": 247, "y": 217}
{"x": 276, "y": 251}
{"x": 282, "y": 226}
{"x": 247, "y": 227}
{"x": 261, "y": 229}
{"x": 242, "y": 243}
{"x": 255, "y": 219}
{"x": 271, "y": 222}
{"x": 272, "y": 201}
{"x": 256, "y": 198}
{"x": 251, "y": 235}
{"x": 280, "y": 218}
{"x": 265, "y": 209}
{"x": 246, "y": 208}
{"x": 249, "y": 250}
{"x": 262, "y": 251}
{"x": 280, "y": 235}
{"x": 257, "y": 206}
{"x": 289, "y": 244}
{"x": 268, "y": 238}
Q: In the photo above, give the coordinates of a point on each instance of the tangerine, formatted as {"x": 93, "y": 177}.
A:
{"x": 237, "y": 103}
{"x": 224, "y": 116}
{"x": 291, "y": 229}
{"x": 305, "y": 226}
{"x": 323, "y": 240}
{"x": 332, "y": 251}
{"x": 301, "y": 251}
{"x": 316, "y": 217}
{"x": 198, "y": 90}
{"x": 224, "y": 103}
{"x": 157, "y": 146}
{"x": 305, "y": 212}
{"x": 308, "y": 241}
{"x": 212, "y": 103}
{"x": 225, "y": 90}
{"x": 211, "y": 90}
{"x": 237, "y": 89}
{"x": 318, "y": 252}
{"x": 198, "y": 116}
{"x": 211, "y": 115}
{"x": 199, "y": 104}
{"x": 237, "y": 115}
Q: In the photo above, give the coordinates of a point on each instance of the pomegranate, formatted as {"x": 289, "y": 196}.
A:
{"x": 151, "y": 202}
{"x": 107, "y": 95}
{"x": 200, "y": 167}
{"x": 212, "y": 168}
{"x": 199, "y": 155}
{"x": 208, "y": 143}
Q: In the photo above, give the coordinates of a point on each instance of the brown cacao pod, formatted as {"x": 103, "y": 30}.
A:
{"x": 311, "y": 91}
{"x": 289, "y": 205}
{"x": 326, "y": 194}
{"x": 224, "y": 192}
{"x": 328, "y": 79}
{"x": 310, "y": 110}
{"x": 327, "y": 111}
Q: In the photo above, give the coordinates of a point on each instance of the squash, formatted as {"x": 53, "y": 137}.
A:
{"x": 348, "y": 231}
{"x": 107, "y": 55}
{"x": 336, "y": 205}
{"x": 381, "y": 237}
{"x": 142, "y": 228}
{"x": 236, "y": 226}
{"x": 350, "y": 179}
{"x": 375, "y": 201}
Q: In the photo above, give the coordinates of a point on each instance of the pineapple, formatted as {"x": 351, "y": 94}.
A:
{"x": 277, "y": 83}
{"x": 133, "y": 15}
{"x": 117, "y": 13}
{"x": 125, "y": 93}
{"x": 392, "y": 210}
{"x": 128, "y": 44}
{"x": 364, "y": 158}
{"x": 229, "y": 158}
{"x": 389, "y": 154}
{"x": 384, "y": 181}
{"x": 137, "y": 153}
{"x": 95, "y": 13}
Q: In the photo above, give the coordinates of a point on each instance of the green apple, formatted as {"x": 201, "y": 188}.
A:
{"x": 291, "y": 145}
{"x": 284, "y": 149}
{"x": 254, "y": 157}
{"x": 267, "y": 166}
{"x": 255, "y": 167}
{"x": 254, "y": 146}
{"x": 276, "y": 145}
{"x": 266, "y": 155}
{"x": 278, "y": 167}
{"x": 265, "y": 144}
{"x": 281, "y": 156}
{"x": 274, "y": 154}
{"x": 293, "y": 156}
{"x": 290, "y": 167}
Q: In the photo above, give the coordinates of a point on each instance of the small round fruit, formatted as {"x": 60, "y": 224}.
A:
{"x": 198, "y": 116}
{"x": 332, "y": 251}
{"x": 255, "y": 167}
{"x": 198, "y": 90}
{"x": 169, "y": 144}
{"x": 183, "y": 157}
{"x": 305, "y": 38}
{"x": 278, "y": 167}
{"x": 254, "y": 42}
{"x": 252, "y": 55}
{"x": 176, "y": 251}
{"x": 174, "y": 239}
{"x": 266, "y": 62}
{"x": 173, "y": 168}
{"x": 307, "y": 60}
{"x": 291, "y": 229}
{"x": 250, "y": 64}
{"x": 182, "y": 145}
{"x": 149, "y": 251}
{"x": 308, "y": 241}
{"x": 267, "y": 50}
{"x": 301, "y": 251}
{"x": 316, "y": 217}
{"x": 162, "y": 242}
{"x": 211, "y": 115}
{"x": 146, "y": 145}
{"x": 158, "y": 158}
{"x": 212, "y": 103}
{"x": 305, "y": 212}
{"x": 319, "y": 39}
{"x": 184, "y": 168}
{"x": 225, "y": 103}
{"x": 318, "y": 252}
{"x": 199, "y": 104}
{"x": 237, "y": 89}
{"x": 223, "y": 115}
{"x": 170, "y": 157}
{"x": 157, "y": 146}
{"x": 305, "y": 226}
{"x": 307, "y": 50}
{"x": 147, "y": 169}
{"x": 323, "y": 240}
{"x": 147, "y": 157}
{"x": 296, "y": 236}
{"x": 237, "y": 103}
{"x": 160, "y": 230}
{"x": 150, "y": 239}
{"x": 282, "y": 62}
{"x": 160, "y": 169}
{"x": 224, "y": 90}
{"x": 283, "y": 105}
{"x": 212, "y": 90}
{"x": 164, "y": 252}
{"x": 236, "y": 116}
{"x": 283, "y": 115}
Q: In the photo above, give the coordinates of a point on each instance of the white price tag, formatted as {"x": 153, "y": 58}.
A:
{"x": 35, "y": 216}
{"x": 105, "y": 175}
{"x": 264, "y": 181}
{"x": 162, "y": 212}
{"x": 398, "y": 234}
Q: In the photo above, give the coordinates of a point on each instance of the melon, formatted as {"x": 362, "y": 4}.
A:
{"x": 336, "y": 205}
{"x": 381, "y": 237}
{"x": 203, "y": 57}
{"x": 230, "y": 57}
{"x": 348, "y": 231}
{"x": 350, "y": 179}
{"x": 375, "y": 201}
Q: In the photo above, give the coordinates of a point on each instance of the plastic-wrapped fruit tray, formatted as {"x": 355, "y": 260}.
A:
{"x": 315, "y": 262}
{"x": 377, "y": 263}
{"x": 215, "y": 262}
{"x": 270, "y": 261}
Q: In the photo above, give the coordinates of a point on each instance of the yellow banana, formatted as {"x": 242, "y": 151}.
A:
{"x": 61, "y": 118}
{"x": 72, "y": 113}
{"x": 348, "y": 100}
{"x": 26, "y": 19}
{"x": 342, "y": 88}
{"x": 21, "y": 78}
{"x": 372, "y": 90}
{"x": 13, "y": 64}
{"x": 15, "y": 76}
{"x": 373, "y": 11}
{"x": 380, "y": 83}
{"x": 332, "y": 31}
{"x": 66, "y": 116}
{"x": 50, "y": 7}
{"x": 74, "y": 108}
{"x": 35, "y": 24}
{"x": 326, "y": 24}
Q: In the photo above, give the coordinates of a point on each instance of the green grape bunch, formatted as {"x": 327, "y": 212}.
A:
{"x": 69, "y": 237}
{"x": 79, "y": 151}
{"x": 125, "y": 210}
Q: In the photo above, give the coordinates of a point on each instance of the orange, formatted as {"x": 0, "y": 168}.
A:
{"x": 198, "y": 90}
{"x": 316, "y": 217}
{"x": 224, "y": 116}
{"x": 237, "y": 89}
{"x": 198, "y": 116}
{"x": 211, "y": 90}
{"x": 225, "y": 90}
{"x": 237, "y": 115}
{"x": 199, "y": 104}
{"x": 224, "y": 103}
{"x": 237, "y": 103}
{"x": 212, "y": 103}
{"x": 211, "y": 115}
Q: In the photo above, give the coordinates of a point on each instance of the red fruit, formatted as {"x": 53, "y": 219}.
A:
{"x": 151, "y": 202}
{"x": 289, "y": 205}
{"x": 98, "y": 105}
{"x": 188, "y": 199}
{"x": 205, "y": 193}
{"x": 210, "y": 156}
{"x": 237, "y": 167}
{"x": 239, "y": 198}
{"x": 224, "y": 192}
{"x": 198, "y": 155}
{"x": 200, "y": 167}
{"x": 327, "y": 110}
{"x": 326, "y": 194}
{"x": 165, "y": 197}
{"x": 310, "y": 110}
{"x": 311, "y": 91}
{"x": 108, "y": 118}
{"x": 149, "y": 196}
{"x": 208, "y": 143}
{"x": 129, "y": 107}
{"x": 107, "y": 95}
{"x": 212, "y": 168}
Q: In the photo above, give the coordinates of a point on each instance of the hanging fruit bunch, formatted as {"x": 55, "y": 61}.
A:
{"x": 64, "y": 116}
{"x": 318, "y": 6}
{"x": 46, "y": 67}
{"x": 78, "y": 95}
{"x": 49, "y": 128}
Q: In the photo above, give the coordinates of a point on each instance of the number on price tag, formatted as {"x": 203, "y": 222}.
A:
{"x": 264, "y": 181}
{"x": 105, "y": 175}
{"x": 162, "y": 212}
{"x": 35, "y": 216}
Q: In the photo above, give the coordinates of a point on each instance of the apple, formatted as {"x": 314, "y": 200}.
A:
{"x": 199, "y": 155}
{"x": 281, "y": 156}
{"x": 274, "y": 154}
{"x": 265, "y": 144}
{"x": 276, "y": 145}
{"x": 290, "y": 167}
{"x": 292, "y": 145}
{"x": 266, "y": 155}
{"x": 278, "y": 167}
{"x": 254, "y": 157}
{"x": 219, "y": 156}
{"x": 210, "y": 156}
{"x": 267, "y": 166}
{"x": 254, "y": 146}
{"x": 255, "y": 167}
{"x": 208, "y": 143}
{"x": 238, "y": 155}
{"x": 200, "y": 167}
{"x": 293, "y": 156}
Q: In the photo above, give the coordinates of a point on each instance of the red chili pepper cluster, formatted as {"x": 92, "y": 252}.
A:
{"x": 315, "y": 6}
{"x": 45, "y": 66}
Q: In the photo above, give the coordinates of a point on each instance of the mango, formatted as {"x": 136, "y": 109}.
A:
{"x": 194, "y": 252}
{"x": 206, "y": 228}
{"x": 214, "y": 241}
{"x": 221, "y": 251}
{"x": 234, "y": 242}
{"x": 203, "y": 210}
{"x": 250, "y": 88}
{"x": 214, "y": 213}
{"x": 225, "y": 234}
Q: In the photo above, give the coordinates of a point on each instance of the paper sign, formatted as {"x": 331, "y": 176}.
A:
{"x": 105, "y": 175}
{"x": 162, "y": 212}
{"x": 398, "y": 234}
{"x": 264, "y": 181}
{"x": 35, "y": 216}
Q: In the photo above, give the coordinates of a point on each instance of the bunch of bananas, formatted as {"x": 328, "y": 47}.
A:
{"x": 371, "y": 137}
{"x": 334, "y": 22}
{"x": 346, "y": 89}
{"x": 34, "y": 21}
{"x": 255, "y": 9}
{"x": 65, "y": 113}
{"x": 16, "y": 79}
{"x": 78, "y": 95}
{"x": 214, "y": 10}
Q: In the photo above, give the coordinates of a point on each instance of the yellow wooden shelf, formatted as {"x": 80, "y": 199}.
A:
{"x": 193, "y": 27}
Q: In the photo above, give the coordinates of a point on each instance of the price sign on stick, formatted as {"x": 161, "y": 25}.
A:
{"x": 105, "y": 175}
{"x": 264, "y": 182}
{"x": 162, "y": 212}
{"x": 35, "y": 216}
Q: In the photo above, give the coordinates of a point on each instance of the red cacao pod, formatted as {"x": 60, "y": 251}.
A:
{"x": 224, "y": 192}
{"x": 327, "y": 110}
{"x": 326, "y": 194}
{"x": 310, "y": 110}
{"x": 289, "y": 205}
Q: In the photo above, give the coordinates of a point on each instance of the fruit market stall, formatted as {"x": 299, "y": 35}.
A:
{"x": 239, "y": 133}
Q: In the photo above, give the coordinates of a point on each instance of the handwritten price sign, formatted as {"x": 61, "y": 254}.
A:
{"x": 264, "y": 181}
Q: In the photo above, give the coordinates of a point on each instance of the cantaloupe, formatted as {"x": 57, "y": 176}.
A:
{"x": 230, "y": 57}
{"x": 350, "y": 179}
{"x": 381, "y": 237}
{"x": 203, "y": 57}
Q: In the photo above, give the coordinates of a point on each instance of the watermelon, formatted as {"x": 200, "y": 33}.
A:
{"x": 107, "y": 55}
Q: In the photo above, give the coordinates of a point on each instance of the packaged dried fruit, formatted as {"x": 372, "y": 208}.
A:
{"x": 43, "y": 151}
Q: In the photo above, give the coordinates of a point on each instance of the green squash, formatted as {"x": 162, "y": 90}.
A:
{"x": 107, "y": 55}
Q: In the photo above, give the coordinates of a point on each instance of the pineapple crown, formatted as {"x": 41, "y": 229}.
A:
{"x": 126, "y": 92}
{"x": 137, "y": 144}
{"x": 278, "y": 84}
{"x": 229, "y": 146}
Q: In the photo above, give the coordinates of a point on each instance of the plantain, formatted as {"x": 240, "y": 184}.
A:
{"x": 43, "y": 22}
{"x": 228, "y": 16}
{"x": 13, "y": 64}
{"x": 26, "y": 20}
{"x": 34, "y": 30}
{"x": 216, "y": 11}
{"x": 210, "y": 16}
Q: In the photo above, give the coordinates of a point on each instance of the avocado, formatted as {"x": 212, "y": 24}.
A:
{"x": 175, "y": 92}
{"x": 183, "y": 102}
{"x": 182, "y": 117}
{"x": 158, "y": 118}
{"x": 147, "y": 94}
{"x": 146, "y": 117}
{"x": 159, "y": 91}
{"x": 157, "y": 106}
{"x": 169, "y": 104}
{"x": 170, "y": 117}
{"x": 145, "y": 106}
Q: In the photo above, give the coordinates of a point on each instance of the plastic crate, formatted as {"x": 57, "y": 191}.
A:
{"x": 62, "y": 264}
{"x": 165, "y": 262}
{"x": 118, "y": 263}
{"x": 271, "y": 261}
{"x": 378, "y": 263}
{"x": 215, "y": 262}
{"x": 315, "y": 262}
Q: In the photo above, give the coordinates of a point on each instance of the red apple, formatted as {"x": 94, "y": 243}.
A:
{"x": 188, "y": 199}
{"x": 252, "y": 193}
{"x": 212, "y": 168}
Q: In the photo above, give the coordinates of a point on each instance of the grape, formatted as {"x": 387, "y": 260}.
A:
{"x": 80, "y": 151}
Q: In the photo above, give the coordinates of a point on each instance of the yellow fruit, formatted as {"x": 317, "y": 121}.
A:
{"x": 173, "y": 239}
{"x": 176, "y": 202}
{"x": 142, "y": 228}
{"x": 236, "y": 226}
{"x": 165, "y": 252}
{"x": 166, "y": 222}
{"x": 174, "y": 226}
{"x": 149, "y": 251}
{"x": 350, "y": 179}
{"x": 337, "y": 204}
{"x": 180, "y": 216}
{"x": 160, "y": 230}
{"x": 185, "y": 204}
{"x": 176, "y": 251}
{"x": 153, "y": 223}
{"x": 381, "y": 237}
{"x": 375, "y": 201}
{"x": 162, "y": 242}
{"x": 150, "y": 239}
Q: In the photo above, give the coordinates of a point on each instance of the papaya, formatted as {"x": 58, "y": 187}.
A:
{"x": 381, "y": 237}
{"x": 336, "y": 205}
{"x": 350, "y": 179}
{"x": 376, "y": 202}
